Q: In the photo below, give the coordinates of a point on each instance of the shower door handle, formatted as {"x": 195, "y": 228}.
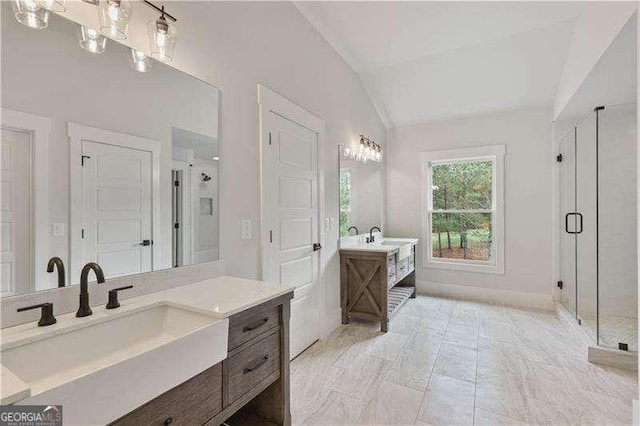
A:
{"x": 566, "y": 223}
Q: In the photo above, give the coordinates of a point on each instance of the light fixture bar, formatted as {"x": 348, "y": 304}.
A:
{"x": 160, "y": 10}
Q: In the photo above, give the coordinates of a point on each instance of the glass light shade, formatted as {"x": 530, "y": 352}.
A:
{"x": 91, "y": 40}
{"x": 163, "y": 37}
{"x": 53, "y": 5}
{"x": 139, "y": 61}
{"x": 30, "y": 13}
{"x": 115, "y": 16}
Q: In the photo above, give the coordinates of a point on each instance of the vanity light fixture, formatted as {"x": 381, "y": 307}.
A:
{"x": 114, "y": 18}
{"x": 91, "y": 40}
{"x": 31, "y": 13}
{"x": 163, "y": 35}
{"x": 369, "y": 150}
{"x": 92, "y": 2}
{"x": 139, "y": 61}
{"x": 53, "y": 5}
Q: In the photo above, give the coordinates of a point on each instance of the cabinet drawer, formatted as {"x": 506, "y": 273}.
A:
{"x": 391, "y": 263}
{"x": 391, "y": 279}
{"x": 193, "y": 402}
{"x": 403, "y": 267}
{"x": 253, "y": 365}
{"x": 247, "y": 325}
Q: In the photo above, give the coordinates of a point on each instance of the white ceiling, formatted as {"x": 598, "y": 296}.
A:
{"x": 430, "y": 61}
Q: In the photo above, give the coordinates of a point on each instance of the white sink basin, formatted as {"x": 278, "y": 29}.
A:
{"x": 404, "y": 246}
{"x": 103, "y": 368}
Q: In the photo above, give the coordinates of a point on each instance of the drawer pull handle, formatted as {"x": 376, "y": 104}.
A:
{"x": 258, "y": 365}
{"x": 257, "y": 324}
{"x": 168, "y": 421}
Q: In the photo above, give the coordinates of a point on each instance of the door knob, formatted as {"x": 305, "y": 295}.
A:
{"x": 146, "y": 243}
{"x": 317, "y": 246}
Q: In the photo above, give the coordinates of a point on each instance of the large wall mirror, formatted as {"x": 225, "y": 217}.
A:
{"x": 101, "y": 162}
{"x": 361, "y": 194}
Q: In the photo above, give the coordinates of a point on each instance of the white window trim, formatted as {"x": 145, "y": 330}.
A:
{"x": 495, "y": 153}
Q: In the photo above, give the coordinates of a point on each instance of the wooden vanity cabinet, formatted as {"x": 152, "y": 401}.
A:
{"x": 251, "y": 386}
{"x": 373, "y": 285}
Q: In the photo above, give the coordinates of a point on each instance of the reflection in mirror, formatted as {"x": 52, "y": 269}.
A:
{"x": 92, "y": 151}
{"x": 195, "y": 197}
{"x": 360, "y": 191}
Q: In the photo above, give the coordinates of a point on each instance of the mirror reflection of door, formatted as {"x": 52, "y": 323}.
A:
{"x": 116, "y": 208}
{"x": 15, "y": 215}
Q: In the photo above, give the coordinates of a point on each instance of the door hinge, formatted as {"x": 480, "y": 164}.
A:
{"x": 269, "y": 138}
{"x": 270, "y": 236}
{"x": 82, "y": 157}
{"x": 176, "y": 183}
{"x": 176, "y": 225}
{"x": 559, "y": 158}
{"x": 623, "y": 346}
{"x": 560, "y": 285}
{"x": 82, "y": 233}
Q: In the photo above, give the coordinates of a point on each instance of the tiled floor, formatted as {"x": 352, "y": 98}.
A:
{"x": 457, "y": 362}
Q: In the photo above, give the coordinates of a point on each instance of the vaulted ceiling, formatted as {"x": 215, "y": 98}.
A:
{"x": 433, "y": 61}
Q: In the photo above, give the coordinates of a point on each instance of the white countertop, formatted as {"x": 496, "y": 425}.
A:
{"x": 378, "y": 246}
{"x": 220, "y": 297}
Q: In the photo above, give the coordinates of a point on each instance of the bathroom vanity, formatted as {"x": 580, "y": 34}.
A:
{"x": 252, "y": 383}
{"x": 195, "y": 354}
{"x": 376, "y": 278}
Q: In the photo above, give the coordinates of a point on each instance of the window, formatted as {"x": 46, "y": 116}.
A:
{"x": 462, "y": 212}
{"x": 345, "y": 202}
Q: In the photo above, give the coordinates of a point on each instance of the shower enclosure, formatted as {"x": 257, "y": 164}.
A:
{"x": 598, "y": 243}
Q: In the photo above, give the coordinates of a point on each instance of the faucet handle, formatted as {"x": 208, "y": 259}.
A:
{"x": 113, "y": 297}
{"x": 46, "y": 315}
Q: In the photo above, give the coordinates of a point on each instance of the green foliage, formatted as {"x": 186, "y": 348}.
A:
{"x": 345, "y": 202}
{"x": 462, "y": 186}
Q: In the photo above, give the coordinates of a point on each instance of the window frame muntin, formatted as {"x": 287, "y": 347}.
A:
{"x": 495, "y": 154}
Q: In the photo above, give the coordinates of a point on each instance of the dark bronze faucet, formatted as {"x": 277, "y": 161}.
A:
{"x": 353, "y": 227}
{"x": 57, "y": 262}
{"x": 371, "y": 237}
{"x": 84, "y": 310}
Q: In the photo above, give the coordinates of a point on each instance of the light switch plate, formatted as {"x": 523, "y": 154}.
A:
{"x": 58, "y": 229}
{"x": 246, "y": 230}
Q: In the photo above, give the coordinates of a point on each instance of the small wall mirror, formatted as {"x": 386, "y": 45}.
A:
{"x": 361, "y": 194}
{"x": 108, "y": 156}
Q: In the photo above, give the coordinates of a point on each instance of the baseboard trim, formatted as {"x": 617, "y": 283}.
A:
{"x": 491, "y": 295}
{"x": 330, "y": 322}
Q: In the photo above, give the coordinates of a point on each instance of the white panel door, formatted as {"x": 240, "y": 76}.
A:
{"x": 15, "y": 212}
{"x": 116, "y": 208}
{"x": 291, "y": 187}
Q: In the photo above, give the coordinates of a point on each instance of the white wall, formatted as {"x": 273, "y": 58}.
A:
{"x": 235, "y": 45}
{"x": 528, "y": 197}
{"x": 596, "y": 28}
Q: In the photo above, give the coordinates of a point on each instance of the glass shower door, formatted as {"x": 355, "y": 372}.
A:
{"x": 618, "y": 273}
{"x": 568, "y": 208}
{"x": 587, "y": 237}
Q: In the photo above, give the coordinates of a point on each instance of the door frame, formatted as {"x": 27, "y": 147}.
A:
{"x": 187, "y": 219}
{"x": 270, "y": 101}
{"x": 76, "y": 134}
{"x": 39, "y": 128}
